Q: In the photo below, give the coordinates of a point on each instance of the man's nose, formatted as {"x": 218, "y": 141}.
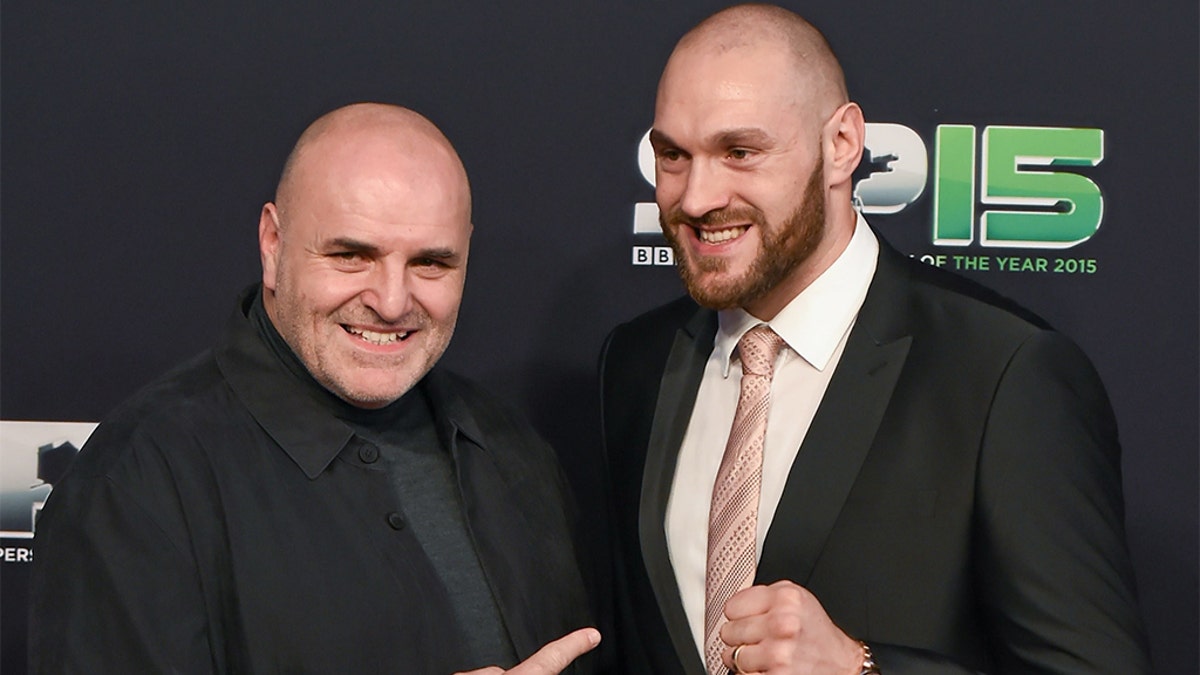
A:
{"x": 705, "y": 190}
{"x": 388, "y": 292}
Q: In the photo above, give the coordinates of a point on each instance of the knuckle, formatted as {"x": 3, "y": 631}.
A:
{"x": 553, "y": 661}
{"x": 778, "y": 656}
{"x": 784, "y": 624}
{"x": 794, "y": 595}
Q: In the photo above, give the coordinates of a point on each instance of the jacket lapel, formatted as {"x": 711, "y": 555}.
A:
{"x": 842, "y": 431}
{"x": 676, "y": 396}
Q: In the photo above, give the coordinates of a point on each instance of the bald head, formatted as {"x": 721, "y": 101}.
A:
{"x": 815, "y": 70}
{"x": 364, "y": 250}
{"x": 361, "y": 132}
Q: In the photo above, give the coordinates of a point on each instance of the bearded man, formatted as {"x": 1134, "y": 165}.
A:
{"x": 842, "y": 461}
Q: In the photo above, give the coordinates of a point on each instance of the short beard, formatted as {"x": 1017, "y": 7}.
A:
{"x": 782, "y": 249}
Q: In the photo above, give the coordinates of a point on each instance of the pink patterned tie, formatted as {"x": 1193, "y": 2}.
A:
{"x": 733, "y": 517}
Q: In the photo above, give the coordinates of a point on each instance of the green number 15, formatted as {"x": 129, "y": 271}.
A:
{"x": 1057, "y": 209}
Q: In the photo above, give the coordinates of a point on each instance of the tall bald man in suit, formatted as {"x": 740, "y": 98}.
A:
{"x": 929, "y": 479}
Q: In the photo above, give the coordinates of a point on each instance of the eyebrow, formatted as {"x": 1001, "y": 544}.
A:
{"x": 724, "y": 138}
{"x": 743, "y": 136}
{"x": 438, "y": 253}
{"x": 658, "y": 138}
{"x": 353, "y": 245}
{"x": 350, "y": 244}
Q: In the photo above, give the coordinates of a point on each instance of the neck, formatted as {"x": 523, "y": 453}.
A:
{"x": 839, "y": 229}
{"x": 265, "y": 322}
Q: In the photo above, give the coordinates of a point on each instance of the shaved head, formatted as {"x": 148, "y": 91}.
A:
{"x": 818, "y": 75}
{"x": 352, "y": 129}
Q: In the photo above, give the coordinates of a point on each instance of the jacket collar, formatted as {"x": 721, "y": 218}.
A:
{"x": 283, "y": 405}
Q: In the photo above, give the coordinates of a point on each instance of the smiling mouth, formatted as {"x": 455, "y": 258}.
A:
{"x": 721, "y": 236}
{"x": 376, "y": 338}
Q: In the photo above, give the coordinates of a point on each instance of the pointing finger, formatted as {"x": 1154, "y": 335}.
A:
{"x": 555, "y": 656}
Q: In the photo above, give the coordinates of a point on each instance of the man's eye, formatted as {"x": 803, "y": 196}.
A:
{"x": 346, "y": 256}
{"x": 739, "y": 153}
{"x": 669, "y": 155}
{"x": 430, "y": 268}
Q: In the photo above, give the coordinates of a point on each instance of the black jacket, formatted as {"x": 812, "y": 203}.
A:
{"x": 956, "y": 502}
{"x": 221, "y": 521}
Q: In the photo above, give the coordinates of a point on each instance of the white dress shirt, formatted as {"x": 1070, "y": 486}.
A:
{"x": 815, "y": 325}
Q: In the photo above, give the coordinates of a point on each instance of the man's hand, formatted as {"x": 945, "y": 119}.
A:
{"x": 782, "y": 628}
{"x": 552, "y": 658}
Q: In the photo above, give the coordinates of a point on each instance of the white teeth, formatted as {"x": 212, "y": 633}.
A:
{"x": 718, "y": 236}
{"x": 378, "y": 338}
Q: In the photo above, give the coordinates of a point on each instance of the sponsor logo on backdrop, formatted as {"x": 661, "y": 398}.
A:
{"x": 1003, "y": 198}
{"x": 33, "y": 456}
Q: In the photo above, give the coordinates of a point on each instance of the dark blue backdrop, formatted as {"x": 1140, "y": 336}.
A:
{"x": 140, "y": 140}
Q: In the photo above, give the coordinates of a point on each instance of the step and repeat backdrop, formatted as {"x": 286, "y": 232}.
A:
{"x": 141, "y": 139}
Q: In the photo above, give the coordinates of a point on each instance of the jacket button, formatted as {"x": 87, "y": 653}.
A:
{"x": 368, "y": 453}
{"x": 395, "y": 520}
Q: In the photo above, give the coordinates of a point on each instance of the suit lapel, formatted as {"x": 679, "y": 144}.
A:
{"x": 676, "y": 396}
{"x": 842, "y": 431}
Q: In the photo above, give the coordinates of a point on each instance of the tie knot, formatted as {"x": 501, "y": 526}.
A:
{"x": 758, "y": 349}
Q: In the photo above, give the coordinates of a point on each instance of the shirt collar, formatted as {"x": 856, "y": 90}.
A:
{"x": 302, "y": 426}
{"x": 816, "y": 320}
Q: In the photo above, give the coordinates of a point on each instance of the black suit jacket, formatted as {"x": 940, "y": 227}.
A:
{"x": 956, "y": 502}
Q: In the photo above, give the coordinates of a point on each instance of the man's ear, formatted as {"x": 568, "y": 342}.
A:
{"x": 845, "y": 133}
{"x": 268, "y": 244}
